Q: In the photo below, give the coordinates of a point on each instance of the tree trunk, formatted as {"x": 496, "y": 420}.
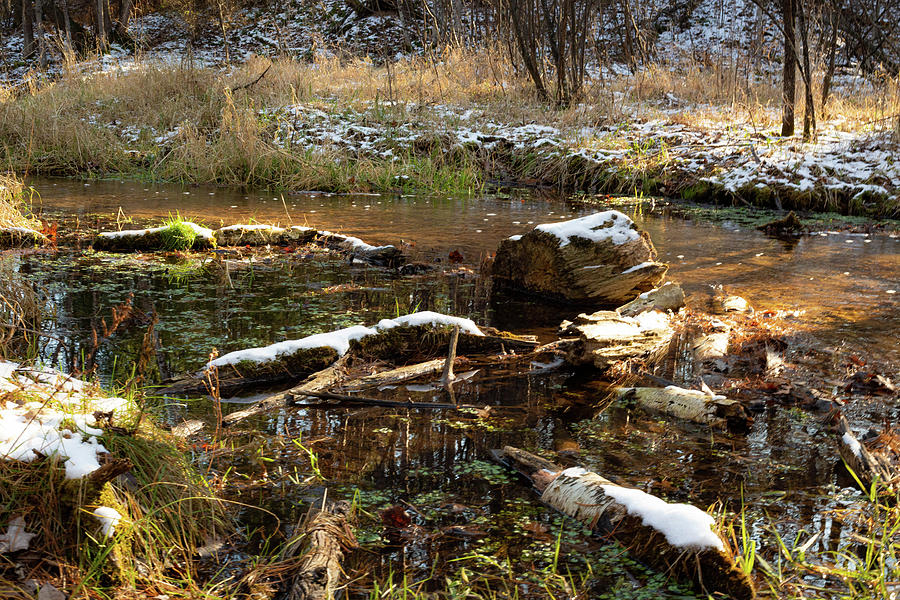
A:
{"x": 67, "y": 21}
{"x": 27, "y": 28}
{"x": 40, "y": 43}
{"x": 789, "y": 72}
{"x": 809, "y": 107}
{"x": 100, "y": 24}
{"x": 829, "y": 71}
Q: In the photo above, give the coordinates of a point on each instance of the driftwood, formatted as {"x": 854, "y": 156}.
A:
{"x": 691, "y": 405}
{"x": 599, "y": 258}
{"x": 326, "y": 536}
{"x": 395, "y": 376}
{"x": 877, "y": 458}
{"x": 606, "y": 337}
{"x": 676, "y": 539}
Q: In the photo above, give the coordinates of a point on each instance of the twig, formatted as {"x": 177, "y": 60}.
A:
{"x": 254, "y": 82}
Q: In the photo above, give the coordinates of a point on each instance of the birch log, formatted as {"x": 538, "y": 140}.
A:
{"x": 875, "y": 459}
{"x": 326, "y": 535}
{"x": 691, "y": 405}
{"x": 677, "y": 539}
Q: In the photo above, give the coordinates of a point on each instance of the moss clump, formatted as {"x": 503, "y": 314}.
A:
{"x": 179, "y": 235}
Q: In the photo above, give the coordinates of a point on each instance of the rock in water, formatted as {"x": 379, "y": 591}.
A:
{"x": 600, "y": 258}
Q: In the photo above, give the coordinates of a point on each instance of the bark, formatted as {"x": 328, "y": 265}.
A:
{"x": 605, "y": 337}
{"x": 665, "y": 298}
{"x": 789, "y": 70}
{"x": 832, "y": 53}
{"x": 395, "y": 376}
{"x": 809, "y": 107}
{"x": 447, "y": 376}
{"x": 322, "y": 380}
{"x": 100, "y": 23}
{"x": 711, "y": 346}
{"x": 326, "y": 535}
{"x": 40, "y": 42}
{"x": 690, "y": 405}
{"x": 586, "y": 497}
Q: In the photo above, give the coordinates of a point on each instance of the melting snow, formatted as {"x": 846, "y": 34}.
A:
{"x": 61, "y": 424}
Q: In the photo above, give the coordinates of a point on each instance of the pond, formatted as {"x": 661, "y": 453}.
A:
{"x": 437, "y": 464}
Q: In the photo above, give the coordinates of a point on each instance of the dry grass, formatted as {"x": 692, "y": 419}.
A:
{"x": 14, "y": 211}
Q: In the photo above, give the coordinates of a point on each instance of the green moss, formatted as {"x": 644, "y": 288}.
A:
{"x": 178, "y": 235}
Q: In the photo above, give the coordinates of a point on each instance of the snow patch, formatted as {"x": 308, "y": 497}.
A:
{"x": 608, "y": 225}
{"x": 199, "y": 230}
{"x": 852, "y": 443}
{"x": 109, "y": 518}
{"x": 684, "y": 526}
{"x": 638, "y": 267}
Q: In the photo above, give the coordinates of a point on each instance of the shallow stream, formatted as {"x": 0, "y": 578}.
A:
{"x": 437, "y": 464}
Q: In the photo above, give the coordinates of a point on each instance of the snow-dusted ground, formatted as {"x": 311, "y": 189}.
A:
{"x": 49, "y": 414}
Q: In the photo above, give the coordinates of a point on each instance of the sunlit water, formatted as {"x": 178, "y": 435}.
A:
{"x": 786, "y": 463}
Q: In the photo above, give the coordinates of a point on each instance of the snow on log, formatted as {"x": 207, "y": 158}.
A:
{"x": 710, "y": 346}
{"x": 605, "y": 337}
{"x": 875, "y": 458}
{"x": 256, "y": 234}
{"x": 409, "y": 338}
{"x": 326, "y": 535}
{"x": 598, "y": 258}
{"x": 668, "y": 297}
{"x": 131, "y": 240}
{"x": 691, "y": 405}
{"x": 676, "y": 539}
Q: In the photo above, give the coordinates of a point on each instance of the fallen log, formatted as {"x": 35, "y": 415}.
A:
{"x": 322, "y": 380}
{"x": 326, "y": 536}
{"x": 690, "y": 405}
{"x": 598, "y": 258}
{"x": 676, "y": 539}
{"x": 874, "y": 459}
{"x": 156, "y": 238}
{"x": 406, "y": 339}
{"x": 606, "y": 337}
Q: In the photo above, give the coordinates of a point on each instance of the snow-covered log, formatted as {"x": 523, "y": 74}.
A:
{"x": 598, "y": 258}
{"x": 156, "y": 238}
{"x": 691, "y": 405}
{"x": 676, "y": 539}
{"x": 258, "y": 234}
{"x": 409, "y": 338}
{"x": 667, "y": 297}
{"x": 605, "y": 337}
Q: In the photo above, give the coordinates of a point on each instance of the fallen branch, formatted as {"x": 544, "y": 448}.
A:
{"x": 326, "y": 535}
{"x": 254, "y": 82}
